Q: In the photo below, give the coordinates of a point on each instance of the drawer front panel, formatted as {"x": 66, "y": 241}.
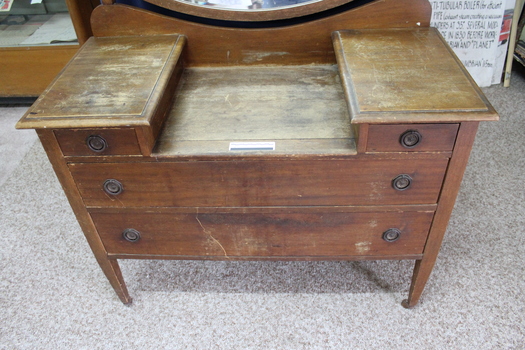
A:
{"x": 259, "y": 183}
{"x": 412, "y": 138}
{"x": 263, "y": 234}
{"x": 74, "y": 142}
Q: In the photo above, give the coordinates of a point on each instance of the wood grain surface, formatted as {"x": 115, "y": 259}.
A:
{"x": 394, "y": 75}
{"x": 305, "y": 43}
{"x": 119, "y": 141}
{"x": 260, "y": 183}
{"x": 278, "y": 234}
{"x": 110, "y": 82}
{"x": 434, "y": 137}
{"x": 247, "y": 103}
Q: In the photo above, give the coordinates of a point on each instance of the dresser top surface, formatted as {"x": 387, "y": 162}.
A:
{"x": 409, "y": 71}
{"x": 112, "y": 81}
{"x": 300, "y": 108}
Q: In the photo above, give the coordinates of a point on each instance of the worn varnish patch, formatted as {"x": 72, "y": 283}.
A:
{"x": 273, "y": 233}
{"x": 114, "y": 80}
{"x": 250, "y": 103}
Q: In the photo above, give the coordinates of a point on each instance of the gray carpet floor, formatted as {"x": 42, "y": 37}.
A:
{"x": 54, "y": 296}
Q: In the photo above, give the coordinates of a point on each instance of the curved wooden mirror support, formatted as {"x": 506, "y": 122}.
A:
{"x": 303, "y": 42}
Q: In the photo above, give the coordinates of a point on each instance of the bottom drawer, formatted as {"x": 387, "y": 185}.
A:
{"x": 264, "y": 233}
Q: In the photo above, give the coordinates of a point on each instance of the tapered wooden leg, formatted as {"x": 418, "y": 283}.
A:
{"x": 456, "y": 169}
{"x": 110, "y": 267}
{"x": 419, "y": 279}
{"x": 117, "y": 281}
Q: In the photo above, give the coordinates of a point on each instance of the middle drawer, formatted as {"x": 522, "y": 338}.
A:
{"x": 260, "y": 183}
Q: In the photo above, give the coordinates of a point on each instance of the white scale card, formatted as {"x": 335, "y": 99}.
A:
{"x": 252, "y": 146}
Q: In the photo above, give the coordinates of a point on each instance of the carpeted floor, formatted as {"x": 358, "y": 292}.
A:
{"x": 14, "y": 144}
{"x": 54, "y": 296}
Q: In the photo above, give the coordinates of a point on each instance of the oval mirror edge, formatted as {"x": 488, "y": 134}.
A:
{"x": 259, "y": 15}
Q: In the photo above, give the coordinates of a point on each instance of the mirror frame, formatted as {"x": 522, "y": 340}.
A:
{"x": 256, "y": 15}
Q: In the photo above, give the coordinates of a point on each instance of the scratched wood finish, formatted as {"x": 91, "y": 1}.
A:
{"x": 260, "y": 183}
{"x": 267, "y": 103}
{"x": 305, "y": 43}
{"x": 119, "y": 141}
{"x": 301, "y": 108}
{"x": 309, "y": 148}
{"x": 110, "y": 82}
{"x": 434, "y": 137}
{"x": 259, "y": 156}
{"x": 393, "y": 76}
{"x": 263, "y": 234}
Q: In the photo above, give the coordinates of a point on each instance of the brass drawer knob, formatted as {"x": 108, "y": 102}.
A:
{"x": 96, "y": 143}
{"x": 410, "y": 139}
{"x": 391, "y": 235}
{"x": 131, "y": 235}
{"x": 402, "y": 182}
{"x": 113, "y": 187}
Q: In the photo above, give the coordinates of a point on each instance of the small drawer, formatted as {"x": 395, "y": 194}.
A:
{"x": 97, "y": 142}
{"x": 282, "y": 232}
{"x": 412, "y": 137}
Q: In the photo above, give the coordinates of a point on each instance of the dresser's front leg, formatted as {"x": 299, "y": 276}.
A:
{"x": 422, "y": 270}
{"x": 114, "y": 276}
{"x": 456, "y": 169}
{"x": 110, "y": 267}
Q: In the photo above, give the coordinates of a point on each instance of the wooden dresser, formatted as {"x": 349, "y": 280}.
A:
{"x": 346, "y": 144}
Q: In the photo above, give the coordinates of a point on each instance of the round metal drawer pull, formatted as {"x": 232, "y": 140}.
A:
{"x": 402, "y": 182}
{"x": 410, "y": 139}
{"x": 113, "y": 187}
{"x": 96, "y": 143}
{"x": 391, "y": 235}
{"x": 131, "y": 235}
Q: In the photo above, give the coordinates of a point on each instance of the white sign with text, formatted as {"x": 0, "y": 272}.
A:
{"x": 472, "y": 29}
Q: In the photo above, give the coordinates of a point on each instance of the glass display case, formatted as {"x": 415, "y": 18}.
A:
{"x": 35, "y": 22}
{"x": 37, "y": 38}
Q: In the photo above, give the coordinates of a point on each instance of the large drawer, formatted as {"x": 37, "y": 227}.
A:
{"x": 260, "y": 183}
{"x": 267, "y": 233}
